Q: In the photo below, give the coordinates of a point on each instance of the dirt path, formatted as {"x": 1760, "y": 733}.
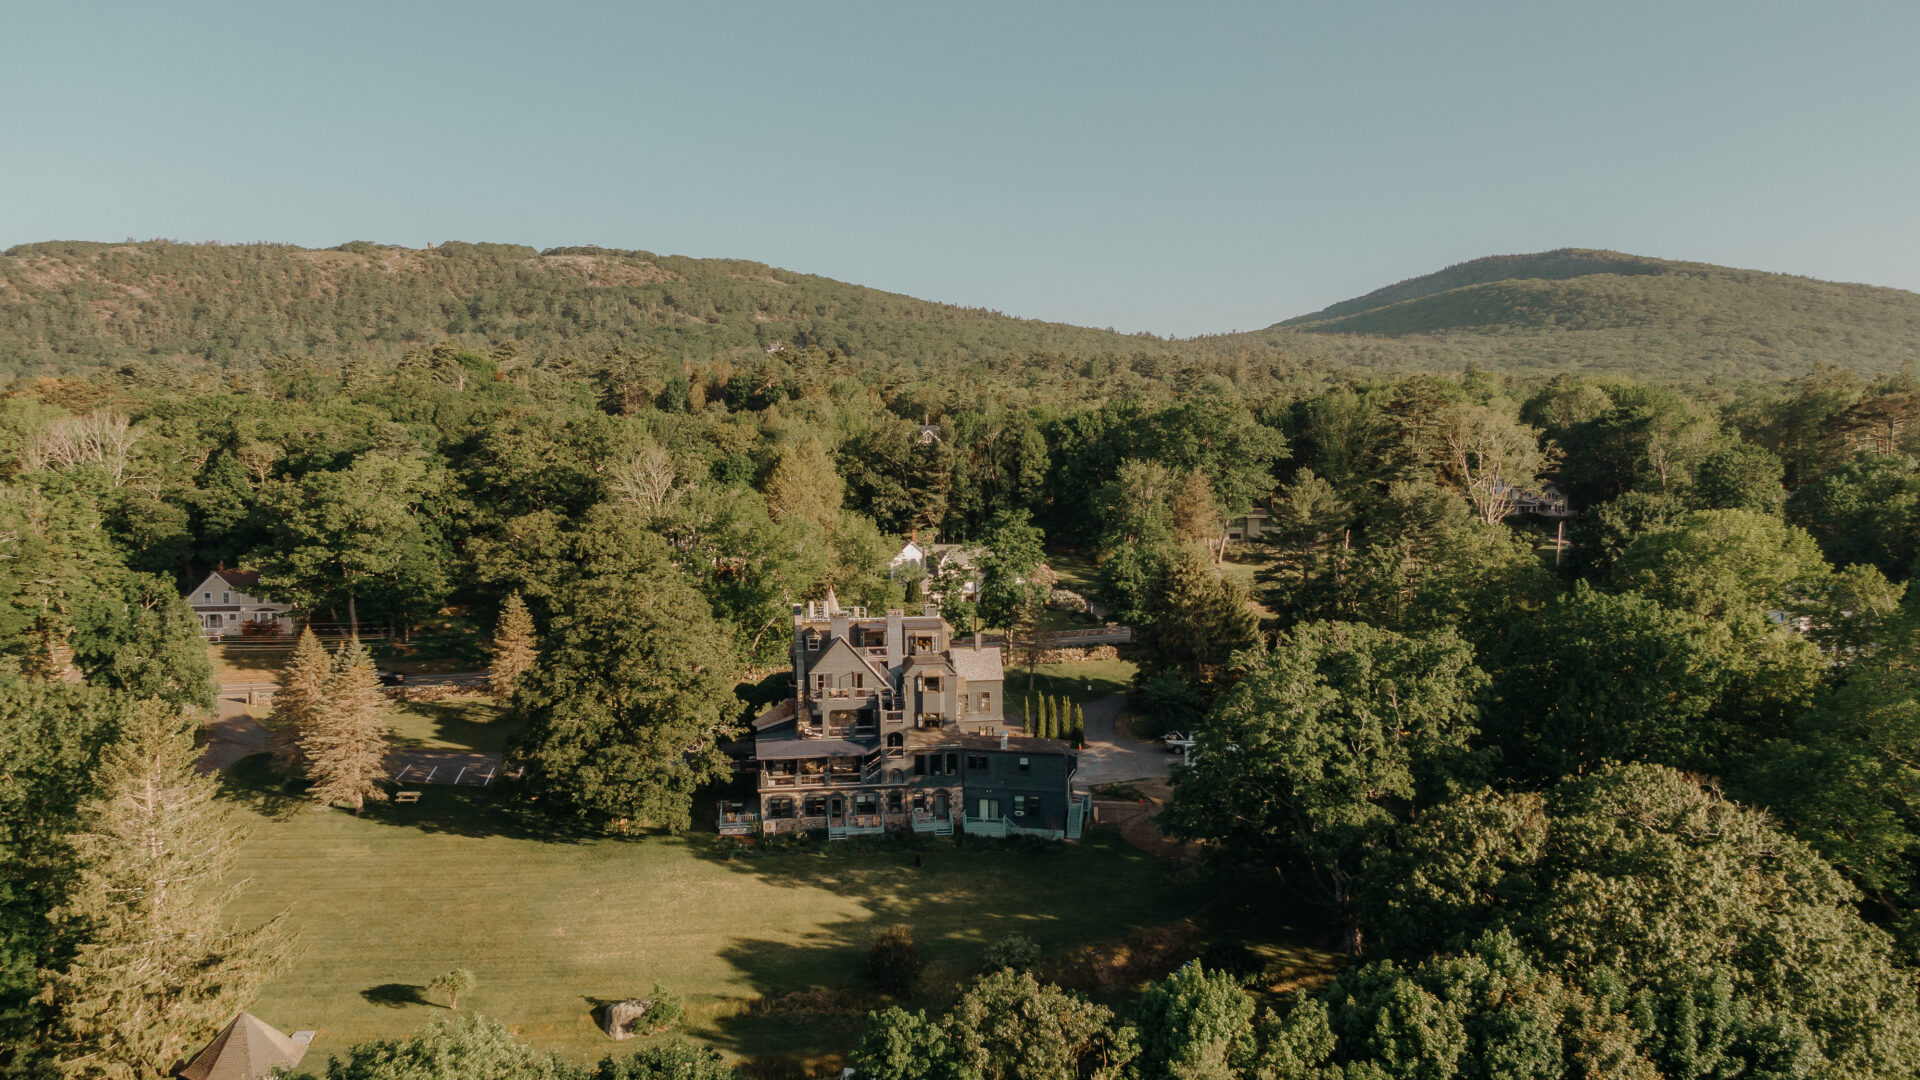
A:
{"x": 1134, "y": 819}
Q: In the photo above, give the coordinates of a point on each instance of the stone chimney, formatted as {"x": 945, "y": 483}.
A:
{"x": 838, "y": 620}
{"x": 896, "y": 641}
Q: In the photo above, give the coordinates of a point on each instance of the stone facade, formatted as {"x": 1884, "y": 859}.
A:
{"x": 892, "y": 726}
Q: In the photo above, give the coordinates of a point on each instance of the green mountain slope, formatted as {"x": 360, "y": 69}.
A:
{"x": 79, "y": 306}
{"x": 1604, "y": 311}
{"x": 72, "y": 306}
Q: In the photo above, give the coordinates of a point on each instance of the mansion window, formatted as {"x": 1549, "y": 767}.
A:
{"x": 986, "y": 701}
{"x": 989, "y": 809}
{"x": 780, "y": 808}
{"x": 976, "y": 761}
{"x": 816, "y": 806}
{"x": 866, "y": 803}
{"x": 893, "y": 802}
{"x": 1025, "y": 765}
{"x": 1021, "y": 802}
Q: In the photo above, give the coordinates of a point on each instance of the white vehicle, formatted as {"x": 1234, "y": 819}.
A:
{"x": 1178, "y": 742}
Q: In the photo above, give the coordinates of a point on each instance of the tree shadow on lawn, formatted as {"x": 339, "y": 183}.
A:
{"x": 478, "y": 725}
{"x": 255, "y": 783}
{"x": 395, "y": 995}
{"x": 813, "y": 989}
{"x": 465, "y": 810}
{"x": 497, "y": 810}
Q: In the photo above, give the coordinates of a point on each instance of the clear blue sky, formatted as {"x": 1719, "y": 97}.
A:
{"x": 1179, "y": 168}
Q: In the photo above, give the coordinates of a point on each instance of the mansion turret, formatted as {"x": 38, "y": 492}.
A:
{"x": 890, "y": 726}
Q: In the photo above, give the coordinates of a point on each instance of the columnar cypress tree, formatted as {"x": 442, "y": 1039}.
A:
{"x": 157, "y": 970}
{"x": 302, "y": 687}
{"x": 1029, "y": 723}
{"x": 1079, "y": 724}
{"x": 513, "y": 648}
{"x": 347, "y": 748}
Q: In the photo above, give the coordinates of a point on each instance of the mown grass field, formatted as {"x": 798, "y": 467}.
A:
{"x": 476, "y": 723}
{"x": 1089, "y": 680}
{"x": 553, "y": 924}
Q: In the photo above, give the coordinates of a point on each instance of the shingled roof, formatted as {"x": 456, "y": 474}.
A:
{"x": 247, "y": 1048}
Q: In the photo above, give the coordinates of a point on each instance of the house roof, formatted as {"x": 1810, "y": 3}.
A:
{"x": 782, "y": 712}
{"x": 246, "y": 1048}
{"x": 239, "y": 579}
{"x": 958, "y": 554}
{"x": 791, "y": 747}
{"x": 947, "y": 739}
{"x": 978, "y": 665}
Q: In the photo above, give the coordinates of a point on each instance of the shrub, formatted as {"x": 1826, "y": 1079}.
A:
{"x": 893, "y": 961}
{"x": 1015, "y": 952}
{"x": 666, "y": 1010}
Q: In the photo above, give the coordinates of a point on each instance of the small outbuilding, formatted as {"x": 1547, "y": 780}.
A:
{"x": 247, "y": 1048}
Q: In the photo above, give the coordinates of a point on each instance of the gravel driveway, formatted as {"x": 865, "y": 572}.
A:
{"x": 1111, "y": 757}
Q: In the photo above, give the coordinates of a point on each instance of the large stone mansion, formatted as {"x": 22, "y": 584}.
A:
{"x": 893, "y": 726}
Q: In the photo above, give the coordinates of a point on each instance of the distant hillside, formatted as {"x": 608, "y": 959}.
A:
{"x": 1604, "y": 311}
{"x": 72, "y": 306}
{"x": 79, "y": 306}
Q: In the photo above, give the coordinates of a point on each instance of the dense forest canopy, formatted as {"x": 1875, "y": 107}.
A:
{"x": 77, "y": 306}
{"x": 1642, "y": 803}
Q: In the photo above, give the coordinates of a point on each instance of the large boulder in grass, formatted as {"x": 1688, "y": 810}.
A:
{"x": 620, "y": 1018}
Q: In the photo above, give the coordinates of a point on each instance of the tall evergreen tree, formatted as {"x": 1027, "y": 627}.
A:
{"x": 156, "y": 972}
{"x": 303, "y": 687}
{"x": 513, "y": 648}
{"x": 347, "y": 746}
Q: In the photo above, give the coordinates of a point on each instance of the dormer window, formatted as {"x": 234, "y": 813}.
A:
{"x": 813, "y": 642}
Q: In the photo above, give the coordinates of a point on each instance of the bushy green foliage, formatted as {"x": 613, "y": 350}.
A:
{"x": 1016, "y": 952}
{"x": 893, "y": 961}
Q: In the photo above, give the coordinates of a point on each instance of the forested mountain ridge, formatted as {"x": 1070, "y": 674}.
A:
{"x": 79, "y": 306}
{"x": 71, "y": 306}
{"x": 1574, "y": 309}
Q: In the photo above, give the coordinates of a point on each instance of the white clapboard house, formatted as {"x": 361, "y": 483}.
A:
{"x": 225, "y": 606}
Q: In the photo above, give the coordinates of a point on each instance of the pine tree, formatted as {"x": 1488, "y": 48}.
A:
{"x": 513, "y": 651}
{"x": 302, "y": 687}
{"x": 347, "y": 747}
{"x": 156, "y": 971}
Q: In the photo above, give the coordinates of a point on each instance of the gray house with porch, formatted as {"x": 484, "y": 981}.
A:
{"x": 892, "y": 726}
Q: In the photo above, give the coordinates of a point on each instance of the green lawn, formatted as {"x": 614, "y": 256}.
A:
{"x": 1077, "y": 572}
{"x": 1089, "y": 680}
{"x": 454, "y": 724}
{"x": 552, "y": 924}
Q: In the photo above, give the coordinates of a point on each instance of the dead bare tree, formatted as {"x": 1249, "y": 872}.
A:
{"x": 99, "y": 438}
{"x": 646, "y": 479}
